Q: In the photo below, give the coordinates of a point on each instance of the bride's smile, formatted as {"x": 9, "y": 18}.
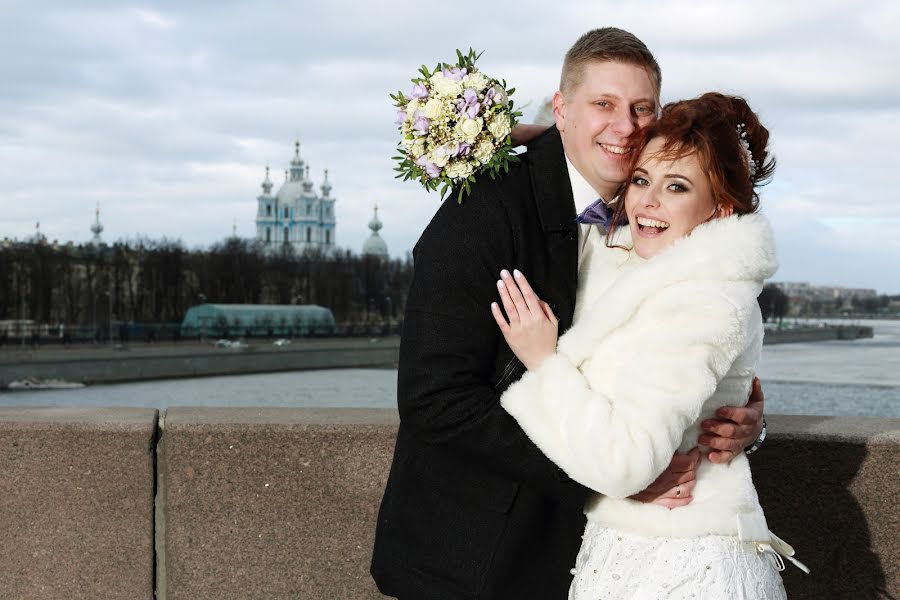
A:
{"x": 666, "y": 198}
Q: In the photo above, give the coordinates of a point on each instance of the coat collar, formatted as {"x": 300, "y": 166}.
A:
{"x": 733, "y": 249}
{"x": 550, "y": 182}
{"x": 556, "y": 210}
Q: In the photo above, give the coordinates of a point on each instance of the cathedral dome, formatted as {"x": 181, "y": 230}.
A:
{"x": 375, "y": 245}
{"x": 289, "y": 191}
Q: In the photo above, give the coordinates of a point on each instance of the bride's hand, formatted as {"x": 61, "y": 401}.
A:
{"x": 532, "y": 329}
{"x": 523, "y": 133}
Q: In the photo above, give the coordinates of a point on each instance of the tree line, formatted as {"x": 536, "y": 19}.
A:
{"x": 156, "y": 281}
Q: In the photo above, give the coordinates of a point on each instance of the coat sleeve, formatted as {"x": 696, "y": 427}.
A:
{"x": 618, "y": 443}
{"x": 449, "y": 347}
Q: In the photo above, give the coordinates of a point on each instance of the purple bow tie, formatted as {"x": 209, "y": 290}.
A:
{"x": 595, "y": 214}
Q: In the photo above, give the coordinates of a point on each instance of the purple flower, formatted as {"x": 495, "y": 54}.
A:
{"x": 431, "y": 169}
{"x": 468, "y": 104}
{"x": 455, "y": 73}
{"x": 420, "y": 123}
{"x": 489, "y": 96}
{"x": 464, "y": 149}
{"x": 419, "y": 91}
{"x": 401, "y": 117}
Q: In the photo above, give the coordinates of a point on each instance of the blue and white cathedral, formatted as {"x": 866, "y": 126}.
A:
{"x": 296, "y": 214}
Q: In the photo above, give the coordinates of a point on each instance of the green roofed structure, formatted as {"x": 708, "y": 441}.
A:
{"x": 258, "y": 320}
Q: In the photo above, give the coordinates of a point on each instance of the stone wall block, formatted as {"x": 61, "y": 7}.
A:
{"x": 830, "y": 487}
{"x": 273, "y": 503}
{"x": 76, "y": 503}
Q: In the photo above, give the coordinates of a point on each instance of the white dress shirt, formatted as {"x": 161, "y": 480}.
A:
{"x": 585, "y": 195}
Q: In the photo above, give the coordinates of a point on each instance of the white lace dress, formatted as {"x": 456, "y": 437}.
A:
{"x": 618, "y": 566}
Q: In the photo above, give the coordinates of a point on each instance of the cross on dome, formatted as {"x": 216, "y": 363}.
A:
{"x": 267, "y": 183}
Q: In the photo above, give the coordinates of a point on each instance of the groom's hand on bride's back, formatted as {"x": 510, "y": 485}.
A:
{"x": 735, "y": 428}
{"x": 673, "y": 488}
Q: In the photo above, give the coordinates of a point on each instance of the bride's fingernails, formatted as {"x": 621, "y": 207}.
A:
{"x": 504, "y": 273}
{"x": 500, "y": 284}
{"x": 517, "y": 273}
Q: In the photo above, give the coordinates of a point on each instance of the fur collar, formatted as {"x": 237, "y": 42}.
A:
{"x": 732, "y": 249}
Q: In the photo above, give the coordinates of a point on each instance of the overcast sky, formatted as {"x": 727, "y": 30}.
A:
{"x": 167, "y": 112}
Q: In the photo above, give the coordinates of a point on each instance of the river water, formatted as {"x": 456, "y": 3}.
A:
{"x": 859, "y": 377}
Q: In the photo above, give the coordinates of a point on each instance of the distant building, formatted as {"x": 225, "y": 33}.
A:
{"x": 97, "y": 228}
{"x": 257, "y": 319}
{"x": 296, "y": 214}
{"x": 804, "y": 296}
{"x": 375, "y": 245}
{"x": 824, "y": 293}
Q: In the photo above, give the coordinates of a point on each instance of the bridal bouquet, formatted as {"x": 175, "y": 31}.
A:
{"x": 454, "y": 125}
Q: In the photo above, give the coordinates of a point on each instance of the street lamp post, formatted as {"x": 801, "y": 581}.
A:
{"x": 108, "y": 295}
{"x": 390, "y": 314}
{"x": 202, "y": 320}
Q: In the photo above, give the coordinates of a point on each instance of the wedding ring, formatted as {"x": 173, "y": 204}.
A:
{"x": 678, "y": 492}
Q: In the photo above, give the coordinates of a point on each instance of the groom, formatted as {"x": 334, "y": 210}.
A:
{"x": 472, "y": 508}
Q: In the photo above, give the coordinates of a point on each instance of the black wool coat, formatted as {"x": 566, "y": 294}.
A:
{"x": 472, "y": 508}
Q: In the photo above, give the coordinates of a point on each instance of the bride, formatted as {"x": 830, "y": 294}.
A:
{"x": 678, "y": 336}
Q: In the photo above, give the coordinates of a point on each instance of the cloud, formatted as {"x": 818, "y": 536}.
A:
{"x": 167, "y": 114}
{"x": 154, "y": 19}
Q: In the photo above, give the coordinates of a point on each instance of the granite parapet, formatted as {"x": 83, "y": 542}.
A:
{"x": 281, "y": 503}
{"x": 76, "y": 503}
{"x": 271, "y": 503}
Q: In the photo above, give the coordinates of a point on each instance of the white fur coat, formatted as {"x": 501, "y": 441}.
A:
{"x": 656, "y": 347}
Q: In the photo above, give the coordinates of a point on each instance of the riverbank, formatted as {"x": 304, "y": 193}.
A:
{"x": 141, "y": 362}
{"x": 89, "y": 365}
{"x": 818, "y": 334}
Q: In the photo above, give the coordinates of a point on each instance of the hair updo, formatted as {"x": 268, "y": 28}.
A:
{"x": 711, "y": 126}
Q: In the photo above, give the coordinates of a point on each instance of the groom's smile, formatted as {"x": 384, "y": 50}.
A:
{"x": 614, "y": 149}
{"x": 595, "y": 117}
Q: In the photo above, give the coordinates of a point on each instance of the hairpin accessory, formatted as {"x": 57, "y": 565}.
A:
{"x": 745, "y": 144}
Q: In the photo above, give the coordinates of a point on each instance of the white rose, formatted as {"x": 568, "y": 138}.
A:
{"x": 444, "y": 153}
{"x": 412, "y": 107}
{"x": 499, "y": 126}
{"x": 439, "y": 158}
{"x": 476, "y": 81}
{"x": 483, "y": 151}
{"x": 417, "y": 148}
{"x": 470, "y": 128}
{"x": 460, "y": 169}
{"x": 433, "y": 108}
{"x": 445, "y": 86}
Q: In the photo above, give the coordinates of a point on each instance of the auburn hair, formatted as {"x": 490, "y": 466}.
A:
{"x": 710, "y": 126}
